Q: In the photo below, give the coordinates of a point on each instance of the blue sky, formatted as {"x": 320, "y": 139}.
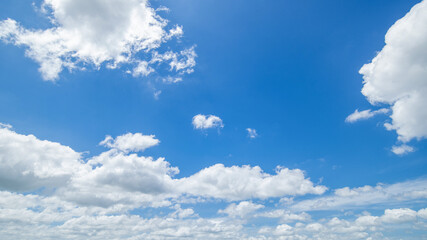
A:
{"x": 289, "y": 70}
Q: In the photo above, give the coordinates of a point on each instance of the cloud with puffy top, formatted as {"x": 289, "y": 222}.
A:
{"x": 99, "y": 194}
{"x": 201, "y": 121}
{"x": 130, "y": 142}
{"x": 397, "y": 77}
{"x": 243, "y": 209}
{"x": 100, "y": 33}
{"x": 118, "y": 176}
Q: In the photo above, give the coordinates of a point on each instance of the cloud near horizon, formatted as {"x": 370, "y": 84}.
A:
{"x": 101, "y": 192}
{"x": 117, "y": 176}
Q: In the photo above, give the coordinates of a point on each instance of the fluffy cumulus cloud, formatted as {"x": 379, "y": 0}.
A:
{"x": 130, "y": 142}
{"x": 397, "y": 75}
{"x": 243, "y": 209}
{"x": 111, "y": 195}
{"x": 35, "y": 217}
{"x": 245, "y": 182}
{"x": 92, "y": 33}
{"x": 114, "y": 179}
{"x": 27, "y": 163}
{"x": 117, "y": 176}
{"x": 201, "y": 121}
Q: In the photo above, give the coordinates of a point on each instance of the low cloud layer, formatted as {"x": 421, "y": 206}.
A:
{"x": 367, "y": 196}
{"x": 104, "y": 196}
{"x": 117, "y": 177}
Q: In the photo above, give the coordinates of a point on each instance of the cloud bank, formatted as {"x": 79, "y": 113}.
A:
{"x": 51, "y": 191}
{"x": 118, "y": 177}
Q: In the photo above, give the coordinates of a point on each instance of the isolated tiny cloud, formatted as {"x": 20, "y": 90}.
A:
{"x": 252, "y": 133}
{"x": 397, "y": 76}
{"x": 94, "y": 33}
{"x": 201, "y": 121}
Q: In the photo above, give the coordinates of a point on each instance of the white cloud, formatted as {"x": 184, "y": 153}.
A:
{"x": 51, "y": 218}
{"x": 96, "y": 32}
{"x": 243, "y": 209}
{"x": 252, "y": 133}
{"x": 182, "y": 62}
{"x": 362, "y": 227}
{"x": 397, "y": 75}
{"x": 400, "y": 215}
{"x": 97, "y": 199}
{"x": 365, "y": 114}
{"x": 157, "y": 94}
{"x": 5, "y": 125}
{"x": 286, "y": 216}
{"x": 116, "y": 178}
{"x": 362, "y": 197}
{"x": 142, "y": 69}
{"x": 130, "y": 142}
{"x": 204, "y": 122}
{"x": 402, "y": 149}
{"x": 422, "y": 213}
{"x": 170, "y": 79}
{"x": 246, "y": 182}
{"x": 27, "y": 163}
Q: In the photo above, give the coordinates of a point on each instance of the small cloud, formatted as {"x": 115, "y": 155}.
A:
{"x": 170, "y": 79}
{"x": 143, "y": 69}
{"x": 162, "y": 9}
{"x": 157, "y": 94}
{"x": 201, "y": 121}
{"x": 5, "y": 125}
{"x": 130, "y": 142}
{"x": 252, "y": 133}
{"x": 365, "y": 114}
{"x": 402, "y": 149}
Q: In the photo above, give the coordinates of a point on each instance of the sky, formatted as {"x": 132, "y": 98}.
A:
{"x": 185, "y": 119}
